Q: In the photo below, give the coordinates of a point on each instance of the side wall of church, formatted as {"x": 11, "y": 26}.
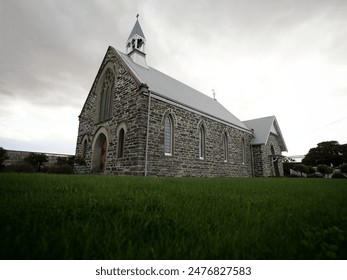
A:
{"x": 185, "y": 160}
{"x": 258, "y": 160}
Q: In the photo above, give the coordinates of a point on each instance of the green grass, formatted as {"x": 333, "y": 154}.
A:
{"x": 95, "y": 217}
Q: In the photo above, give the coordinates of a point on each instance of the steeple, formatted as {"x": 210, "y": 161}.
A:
{"x": 135, "y": 47}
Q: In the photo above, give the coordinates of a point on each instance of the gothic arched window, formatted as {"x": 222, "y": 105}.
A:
{"x": 106, "y": 98}
{"x": 168, "y": 136}
{"x": 243, "y": 150}
{"x": 202, "y": 147}
{"x": 225, "y": 146}
{"x": 121, "y": 140}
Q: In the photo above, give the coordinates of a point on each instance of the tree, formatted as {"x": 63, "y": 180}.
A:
{"x": 311, "y": 170}
{"x": 328, "y": 153}
{"x": 343, "y": 150}
{"x": 36, "y": 160}
{"x": 300, "y": 168}
{"x": 3, "y": 157}
{"x": 324, "y": 169}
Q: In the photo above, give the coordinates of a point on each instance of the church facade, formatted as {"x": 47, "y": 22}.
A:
{"x": 138, "y": 121}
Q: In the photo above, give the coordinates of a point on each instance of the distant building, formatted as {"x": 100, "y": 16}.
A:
{"x": 17, "y": 157}
{"x": 297, "y": 158}
{"x": 137, "y": 120}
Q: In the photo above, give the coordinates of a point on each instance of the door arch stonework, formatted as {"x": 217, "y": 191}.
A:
{"x": 100, "y": 149}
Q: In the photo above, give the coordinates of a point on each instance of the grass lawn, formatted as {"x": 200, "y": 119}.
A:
{"x": 96, "y": 217}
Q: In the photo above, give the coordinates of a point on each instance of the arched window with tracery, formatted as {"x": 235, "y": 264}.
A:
{"x": 106, "y": 96}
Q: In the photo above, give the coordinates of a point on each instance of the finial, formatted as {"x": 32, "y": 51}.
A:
{"x": 214, "y": 94}
{"x": 137, "y": 16}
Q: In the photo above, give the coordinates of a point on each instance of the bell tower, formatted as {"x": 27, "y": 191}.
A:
{"x": 135, "y": 46}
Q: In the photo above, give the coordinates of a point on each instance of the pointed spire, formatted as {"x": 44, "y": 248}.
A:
{"x": 137, "y": 30}
{"x": 135, "y": 46}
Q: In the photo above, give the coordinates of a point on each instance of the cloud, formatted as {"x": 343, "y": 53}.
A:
{"x": 38, "y": 127}
{"x": 51, "y": 41}
{"x": 285, "y": 58}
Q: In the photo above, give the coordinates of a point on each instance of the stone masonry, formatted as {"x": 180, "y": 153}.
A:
{"x": 263, "y": 163}
{"x": 130, "y": 111}
{"x": 138, "y": 121}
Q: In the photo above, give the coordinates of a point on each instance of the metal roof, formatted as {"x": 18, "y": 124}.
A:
{"x": 262, "y": 128}
{"x": 172, "y": 90}
{"x": 137, "y": 30}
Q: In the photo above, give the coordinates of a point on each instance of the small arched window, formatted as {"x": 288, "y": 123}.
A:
{"x": 225, "y": 146}
{"x": 168, "y": 136}
{"x": 121, "y": 140}
{"x": 202, "y": 147}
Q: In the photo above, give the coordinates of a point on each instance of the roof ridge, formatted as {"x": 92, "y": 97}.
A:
{"x": 178, "y": 92}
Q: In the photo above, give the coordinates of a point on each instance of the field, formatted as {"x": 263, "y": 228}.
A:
{"x": 95, "y": 217}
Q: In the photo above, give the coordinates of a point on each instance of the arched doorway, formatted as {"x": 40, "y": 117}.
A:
{"x": 100, "y": 153}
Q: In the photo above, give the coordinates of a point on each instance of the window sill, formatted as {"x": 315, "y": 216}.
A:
{"x": 103, "y": 121}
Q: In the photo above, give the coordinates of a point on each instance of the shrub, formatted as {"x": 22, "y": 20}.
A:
{"x": 343, "y": 168}
{"x": 20, "y": 168}
{"x": 3, "y": 157}
{"x": 324, "y": 169}
{"x": 300, "y": 168}
{"x": 294, "y": 176}
{"x": 60, "y": 169}
{"x": 338, "y": 175}
{"x": 36, "y": 160}
{"x": 314, "y": 175}
{"x": 311, "y": 170}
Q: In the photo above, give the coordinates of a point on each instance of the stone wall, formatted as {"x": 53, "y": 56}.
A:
{"x": 17, "y": 157}
{"x": 185, "y": 159}
{"x": 128, "y": 111}
{"x": 269, "y": 165}
{"x": 130, "y": 108}
{"x": 263, "y": 165}
{"x": 258, "y": 163}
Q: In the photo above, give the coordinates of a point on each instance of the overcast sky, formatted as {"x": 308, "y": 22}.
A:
{"x": 286, "y": 58}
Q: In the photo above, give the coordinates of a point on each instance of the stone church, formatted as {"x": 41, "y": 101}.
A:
{"x": 139, "y": 121}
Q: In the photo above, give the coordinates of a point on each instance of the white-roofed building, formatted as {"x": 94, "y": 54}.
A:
{"x": 139, "y": 121}
{"x": 267, "y": 146}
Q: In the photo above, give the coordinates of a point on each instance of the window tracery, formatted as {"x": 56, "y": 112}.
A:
{"x": 106, "y": 98}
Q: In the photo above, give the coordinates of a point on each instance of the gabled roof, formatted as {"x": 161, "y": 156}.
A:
{"x": 137, "y": 30}
{"x": 170, "y": 90}
{"x": 262, "y": 128}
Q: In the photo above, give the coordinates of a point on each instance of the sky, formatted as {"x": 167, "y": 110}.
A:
{"x": 286, "y": 58}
